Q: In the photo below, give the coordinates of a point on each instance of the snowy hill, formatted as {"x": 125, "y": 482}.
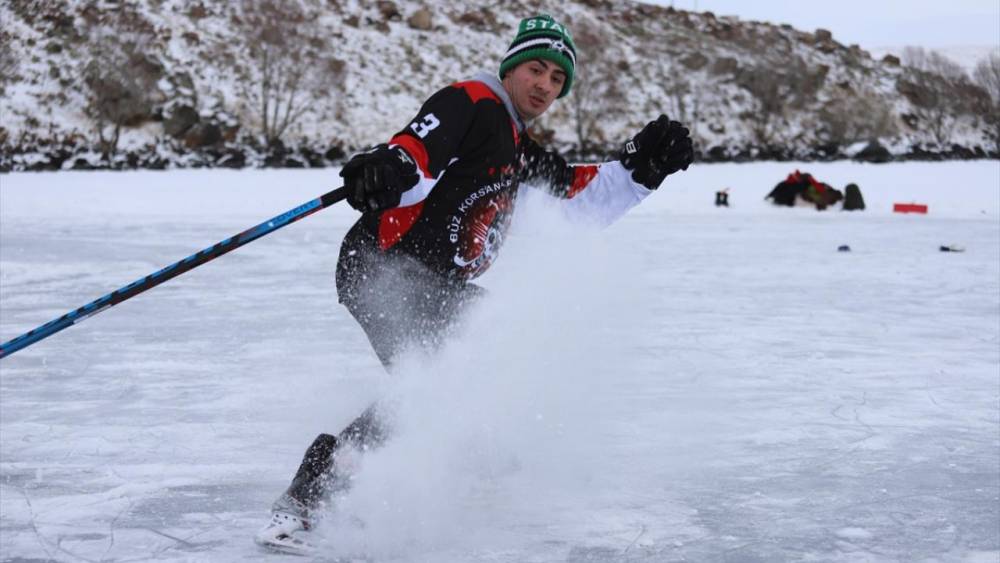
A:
{"x": 181, "y": 82}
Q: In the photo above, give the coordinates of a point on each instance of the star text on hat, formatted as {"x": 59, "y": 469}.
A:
{"x": 545, "y": 24}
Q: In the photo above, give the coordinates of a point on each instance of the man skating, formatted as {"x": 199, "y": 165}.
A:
{"x": 436, "y": 203}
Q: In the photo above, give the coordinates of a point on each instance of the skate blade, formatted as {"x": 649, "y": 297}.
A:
{"x": 287, "y": 546}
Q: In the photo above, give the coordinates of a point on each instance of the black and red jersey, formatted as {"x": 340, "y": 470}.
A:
{"x": 472, "y": 153}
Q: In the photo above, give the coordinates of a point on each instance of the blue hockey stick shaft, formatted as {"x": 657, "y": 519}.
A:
{"x": 172, "y": 271}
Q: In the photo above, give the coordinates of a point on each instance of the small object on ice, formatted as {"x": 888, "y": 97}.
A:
{"x": 952, "y": 248}
{"x": 909, "y": 208}
{"x": 722, "y": 198}
{"x": 843, "y": 248}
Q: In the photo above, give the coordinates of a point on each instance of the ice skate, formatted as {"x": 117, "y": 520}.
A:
{"x": 289, "y": 529}
{"x": 295, "y": 512}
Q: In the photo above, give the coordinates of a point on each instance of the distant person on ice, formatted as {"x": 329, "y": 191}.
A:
{"x": 436, "y": 202}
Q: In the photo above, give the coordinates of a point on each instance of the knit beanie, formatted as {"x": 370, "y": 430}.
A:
{"x": 541, "y": 37}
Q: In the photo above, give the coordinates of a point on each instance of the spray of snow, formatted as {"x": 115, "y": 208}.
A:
{"x": 510, "y": 411}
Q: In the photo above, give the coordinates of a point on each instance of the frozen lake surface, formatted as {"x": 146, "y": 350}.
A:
{"x": 691, "y": 384}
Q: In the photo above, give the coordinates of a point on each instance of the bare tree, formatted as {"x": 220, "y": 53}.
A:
{"x": 290, "y": 67}
{"x": 120, "y": 73}
{"x": 9, "y": 64}
{"x": 935, "y": 110}
{"x": 987, "y": 76}
{"x": 595, "y": 100}
{"x": 683, "y": 99}
{"x": 767, "y": 113}
{"x": 684, "y": 102}
{"x": 933, "y": 62}
{"x": 585, "y": 119}
{"x": 935, "y": 86}
{"x": 778, "y": 87}
{"x": 597, "y": 95}
{"x": 855, "y": 116}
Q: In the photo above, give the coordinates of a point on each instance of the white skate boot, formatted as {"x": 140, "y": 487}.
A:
{"x": 288, "y": 529}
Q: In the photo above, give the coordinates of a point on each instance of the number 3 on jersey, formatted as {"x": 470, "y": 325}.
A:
{"x": 422, "y": 128}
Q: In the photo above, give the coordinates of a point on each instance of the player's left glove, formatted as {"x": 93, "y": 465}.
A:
{"x": 660, "y": 149}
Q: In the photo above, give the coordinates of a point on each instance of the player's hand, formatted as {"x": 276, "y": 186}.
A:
{"x": 660, "y": 149}
{"x": 375, "y": 180}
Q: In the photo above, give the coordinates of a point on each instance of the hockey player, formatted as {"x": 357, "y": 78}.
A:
{"x": 436, "y": 202}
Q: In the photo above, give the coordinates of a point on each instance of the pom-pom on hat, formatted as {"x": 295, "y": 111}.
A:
{"x": 541, "y": 37}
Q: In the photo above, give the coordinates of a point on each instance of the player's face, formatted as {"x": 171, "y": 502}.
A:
{"x": 533, "y": 86}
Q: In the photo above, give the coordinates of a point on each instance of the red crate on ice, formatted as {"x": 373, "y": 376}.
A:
{"x": 909, "y": 208}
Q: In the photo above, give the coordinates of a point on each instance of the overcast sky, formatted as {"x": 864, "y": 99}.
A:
{"x": 872, "y": 23}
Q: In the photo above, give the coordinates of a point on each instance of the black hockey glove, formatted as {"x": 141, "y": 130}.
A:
{"x": 375, "y": 180}
{"x": 660, "y": 149}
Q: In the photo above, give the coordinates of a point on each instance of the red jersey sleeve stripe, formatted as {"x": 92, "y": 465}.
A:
{"x": 416, "y": 149}
{"x": 582, "y": 175}
{"x": 476, "y": 90}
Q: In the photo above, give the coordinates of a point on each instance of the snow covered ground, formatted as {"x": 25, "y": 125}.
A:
{"x": 692, "y": 384}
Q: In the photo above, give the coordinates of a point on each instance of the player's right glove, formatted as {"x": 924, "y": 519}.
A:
{"x": 375, "y": 180}
{"x": 660, "y": 149}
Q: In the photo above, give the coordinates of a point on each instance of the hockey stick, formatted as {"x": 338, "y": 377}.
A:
{"x": 170, "y": 272}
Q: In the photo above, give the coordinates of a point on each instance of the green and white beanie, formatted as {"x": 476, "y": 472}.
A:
{"x": 541, "y": 37}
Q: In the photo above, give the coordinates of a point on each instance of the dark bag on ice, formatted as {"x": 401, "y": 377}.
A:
{"x": 784, "y": 193}
{"x": 853, "y": 200}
